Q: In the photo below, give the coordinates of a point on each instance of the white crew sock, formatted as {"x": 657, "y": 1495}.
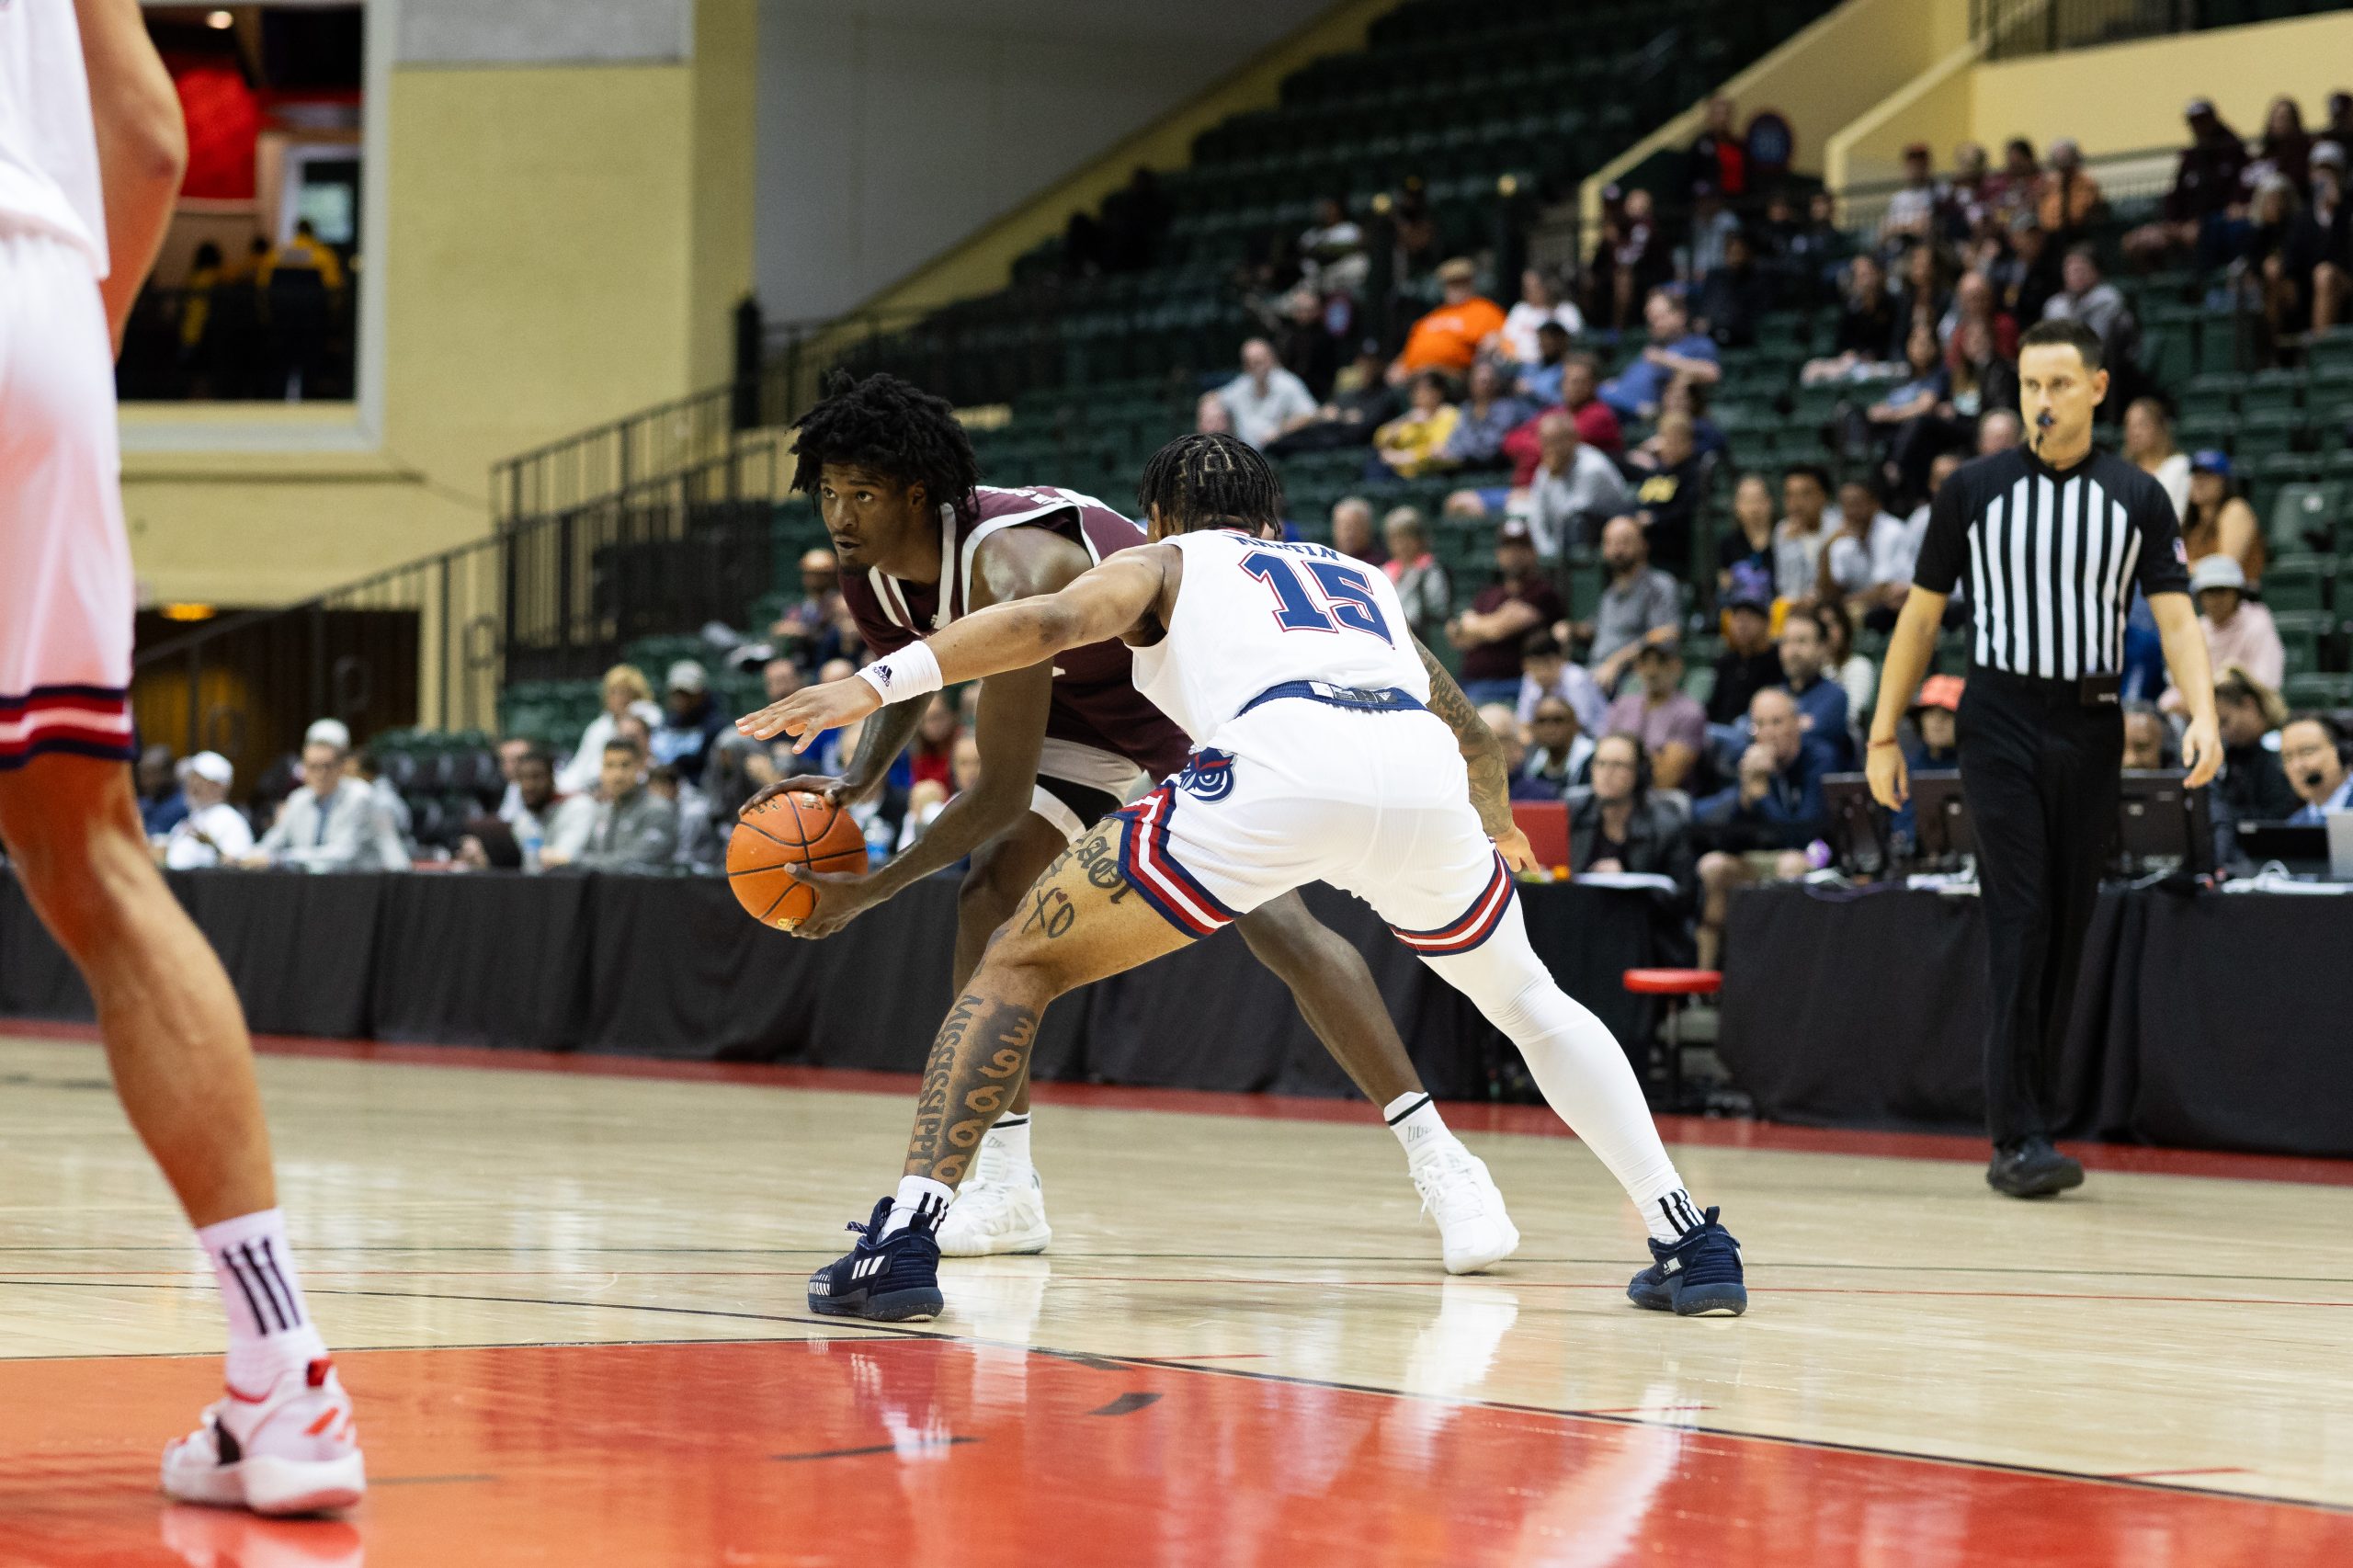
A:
{"x": 1011, "y": 1134}
{"x": 1419, "y": 1128}
{"x": 916, "y": 1195}
{"x": 1576, "y": 1061}
{"x": 269, "y": 1329}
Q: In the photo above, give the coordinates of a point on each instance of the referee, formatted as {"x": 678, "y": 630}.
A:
{"x": 2054, "y": 537}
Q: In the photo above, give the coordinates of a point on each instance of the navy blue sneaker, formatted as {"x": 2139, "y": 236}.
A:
{"x": 891, "y": 1279}
{"x": 1698, "y": 1274}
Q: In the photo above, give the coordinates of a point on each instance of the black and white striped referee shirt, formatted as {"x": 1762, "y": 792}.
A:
{"x": 2051, "y": 558}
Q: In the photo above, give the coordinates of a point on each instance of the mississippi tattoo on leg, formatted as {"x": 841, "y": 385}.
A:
{"x": 977, "y": 1062}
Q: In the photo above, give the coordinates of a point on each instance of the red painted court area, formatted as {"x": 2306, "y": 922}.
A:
{"x": 916, "y": 1450}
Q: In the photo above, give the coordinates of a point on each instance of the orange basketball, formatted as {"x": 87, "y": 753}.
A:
{"x": 790, "y": 830}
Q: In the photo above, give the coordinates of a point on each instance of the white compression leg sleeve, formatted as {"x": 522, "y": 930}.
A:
{"x": 1585, "y": 1077}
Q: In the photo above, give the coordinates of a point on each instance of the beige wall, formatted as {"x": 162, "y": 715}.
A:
{"x": 1821, "y": 80}
{"x": 562, "y": 245}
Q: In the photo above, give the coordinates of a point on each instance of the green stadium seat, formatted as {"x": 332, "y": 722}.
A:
{"x": 2307, "y": 636}
{"x": 2304, "y": 515}
{"x": 2296, "y": 582}
{"x": 2314, "y": 689}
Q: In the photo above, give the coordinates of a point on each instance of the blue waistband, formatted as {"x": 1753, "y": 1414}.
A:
{"x": 1385, "y": 699}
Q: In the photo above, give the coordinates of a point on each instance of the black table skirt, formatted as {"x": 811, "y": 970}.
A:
{"x": 670, "y": 966}
{"x": 2220, "y": 1021}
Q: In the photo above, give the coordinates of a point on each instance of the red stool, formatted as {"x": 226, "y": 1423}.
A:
{"x": 1679, "y": 986}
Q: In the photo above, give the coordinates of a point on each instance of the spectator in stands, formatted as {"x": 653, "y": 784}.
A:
{"x": 329, "y": 824}
{"x": 163, "y": 797}
{"x": 1983, "y": 378}
{"x": 2146, "y": 737}
{"x": 542, "y": 817}
{"x": 2339, "y": 126}
{"x": 1744, "y": 553}
{"x": 1539, "y": 304}
{"x": 1975, "y": 300}
{"x": 626, "y": 690}
{"x": 1352, "y": 533}
{"x": 1413, "y": 228}
{"x": 1935, "y": 745}
{"x": 690, "y": 721}
{"x": 1630, "y": 259}
{"x": 2086, "y": 297}
{"x": 2148, "y": 446}
{"x": 1488, "y": 413}
{"x": 1670, "y": 481}
{"x": 1558, "y": 750}
{"x": 1855, "y": 675}
{"x": 1713, "y": 227}
{"x": 1891, "y": 572}
{"x": 1412, "y": 443}
{"x": 2027, "y": 276}
{"x": 1309, "y": 338}
{"x": 1211, "y": 416}
{"x": 817, "y": 627}
{"x": 1489, "y": 634}
{"x": 2238, "y": 632}
{"x": 1539, "y": 381}
{"x": 1505, "y": 728}
{"x": 1266, "y": 400}
{"x": 632, "y": 829}
{"x": 2312, "y": 752}
{"x": 1596, "y": 424}
{"x": 2219, "y": 521}
{"x": 2013, "y": 190}
{"x": 2206, "y": 183}
{"x": 930, "y": 754}
{"x": 1667, "y": 721}
{"x": 1750, "y": 662}
{"x": 1734, "y": 295}
{"x": 1674, "y": 350}
{"x": 1813, "y": 255}
{"x": 2070, "y": 197}
{"x": 1618, "y": 828}
{"x": 2285, "y": 150}
{"x": 1361, "y": 401}
{"x": 1867, "y": 542}
{"x": 1967, "y": 201}
{"x": 1423, "y": 587}
{"x": 1911, "y": 216}
{"x": 1574, "y": 488}
{"x": 302, "y": 281}
{"x": 1719, "y": 156}
{"x": 1923, "y": 298}
{"x": 1803, "y": 534}
{"x": 1332, "y": 257}
{"x": 1449, "y": 337}
{"x": 1866, "y": 322}
{"x": 1999, "y": 431}
{"x": 1821, "y": 702}
{"x": 698, "y": 846}
{"x": 210, "y": 832}
{"x": 395, "y": 837}
{"x": 511, "y": 751}
{"x": 1639, "y": 604}
{"x": 2253, "y": 786}
{"x": 1546, "y": 672}
{"x": 2322, "y": 248}
{"x": 1765, "y": 819}
{"x": 779, "y": 678}
{"x": 1914, "y": 420}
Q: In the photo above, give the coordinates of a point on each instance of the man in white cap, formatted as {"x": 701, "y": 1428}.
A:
{"x": 213, "y": 831}
{"x": 2238, "y": 630}
{"x": 329, "y": 824}
{"x": 690, "y": 721}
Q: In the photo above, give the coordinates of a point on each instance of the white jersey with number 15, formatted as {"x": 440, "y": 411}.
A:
{"x": 1255, "y": 613}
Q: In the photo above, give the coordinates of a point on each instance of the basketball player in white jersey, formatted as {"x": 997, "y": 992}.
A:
{"x": 1331, "y": 747}
{"x": 91, "y": 151}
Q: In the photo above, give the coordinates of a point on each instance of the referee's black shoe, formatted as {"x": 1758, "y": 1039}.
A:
{"x": 2031, "y": 1168}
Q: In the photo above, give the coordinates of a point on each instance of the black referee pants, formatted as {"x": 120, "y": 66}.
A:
{"x": 2040, "y": 770}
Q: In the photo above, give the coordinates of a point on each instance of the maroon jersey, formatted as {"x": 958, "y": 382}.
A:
{"x": 1096, "y": 702}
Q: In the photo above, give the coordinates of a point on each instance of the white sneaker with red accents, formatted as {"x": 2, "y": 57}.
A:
{"x": 293, "y": 1449}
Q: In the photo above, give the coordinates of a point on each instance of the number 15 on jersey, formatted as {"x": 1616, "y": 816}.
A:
{"x": 1346, "y": 596}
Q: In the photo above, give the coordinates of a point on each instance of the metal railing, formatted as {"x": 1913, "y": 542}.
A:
{"x": 2013, "y": 28}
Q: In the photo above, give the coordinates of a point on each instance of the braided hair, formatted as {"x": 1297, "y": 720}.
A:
{"x": 1206, "y": 481}
{"x": 884, "y": 423}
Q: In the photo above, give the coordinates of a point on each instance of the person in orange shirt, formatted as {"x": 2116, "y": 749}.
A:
{"x": 1449, "y": 337}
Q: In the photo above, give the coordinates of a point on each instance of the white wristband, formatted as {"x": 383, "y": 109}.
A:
{"x": 913, "y": 671}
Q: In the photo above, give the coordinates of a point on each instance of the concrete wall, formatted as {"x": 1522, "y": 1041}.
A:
{"x": 891, "y": 131}
{"x": 560, "y": 245}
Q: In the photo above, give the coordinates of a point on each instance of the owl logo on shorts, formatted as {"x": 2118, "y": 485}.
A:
{"x": 1209, "y": 775}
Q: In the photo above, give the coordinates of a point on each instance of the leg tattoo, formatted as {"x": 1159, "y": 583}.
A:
{"x": 980, "y": 1059}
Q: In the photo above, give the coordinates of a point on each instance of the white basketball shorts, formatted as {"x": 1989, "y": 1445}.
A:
{"x": 1297, "y": 790}
{"x": 65, "y": 583}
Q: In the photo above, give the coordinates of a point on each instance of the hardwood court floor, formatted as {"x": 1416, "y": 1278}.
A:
{"x": 570, "y": 1304}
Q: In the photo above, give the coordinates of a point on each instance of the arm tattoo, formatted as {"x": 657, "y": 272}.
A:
{"x": 977, "y": 1064}
{"x": 1490, "y": 783}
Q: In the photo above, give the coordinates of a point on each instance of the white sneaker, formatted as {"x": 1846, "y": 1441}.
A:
{"x": 999, "y": 1209}
{"x": 1473, "y": 1230}
{"x": 290, "y": 1450}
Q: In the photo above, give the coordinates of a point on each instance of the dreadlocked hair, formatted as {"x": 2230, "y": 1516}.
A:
{"x": 1206, "y": 481}
{"x": 884, "y": 423}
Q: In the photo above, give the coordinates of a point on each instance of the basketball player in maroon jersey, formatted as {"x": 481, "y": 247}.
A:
{"x": 1063, "y": 744}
